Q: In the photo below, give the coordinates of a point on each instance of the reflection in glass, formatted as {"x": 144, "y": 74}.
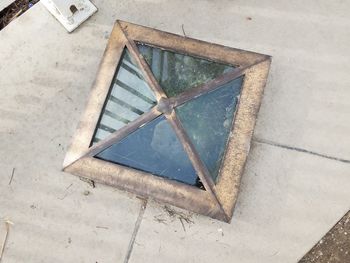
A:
{"x": 153, "y": 148}
{"x": 176, "y": 73}
{"x": 130, "y": 97}
{"x": 207, "y": 121}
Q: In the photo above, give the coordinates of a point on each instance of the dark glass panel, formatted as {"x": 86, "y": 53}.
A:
{"x": 207, "y": 120}
{"x": 153, "y": 148}
{"x": 176, "y": 73}
{"x": 130, "y": 97}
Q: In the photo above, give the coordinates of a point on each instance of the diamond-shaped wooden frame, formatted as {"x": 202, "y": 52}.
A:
{"x": 219, "y": 199}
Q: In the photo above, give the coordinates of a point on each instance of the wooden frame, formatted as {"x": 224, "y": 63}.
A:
{"x": 220, "y": 197}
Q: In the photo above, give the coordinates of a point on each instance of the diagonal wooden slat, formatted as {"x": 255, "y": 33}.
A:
{"x": 211, "y": 85}
{"x": 122, "y": 132}
{"x": 150, "y": 79}
{"x": 193, "y": 155}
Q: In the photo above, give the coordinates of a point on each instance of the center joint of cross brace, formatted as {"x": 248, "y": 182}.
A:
{"x": 165, "y": 106}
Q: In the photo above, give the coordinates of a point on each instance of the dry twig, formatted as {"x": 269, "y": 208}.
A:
{"x": 13, "y": 172}
{"x": 7, "y": 230}
{"x": 183, "y": 30}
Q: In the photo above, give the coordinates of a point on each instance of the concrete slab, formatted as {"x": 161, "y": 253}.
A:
{"x": 45, "y": 77}
{"x": 5, "y": 3}
{"x": 294, "y": 198}
{"x": 281, "y": 211}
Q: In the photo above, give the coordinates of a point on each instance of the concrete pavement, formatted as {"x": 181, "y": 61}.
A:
{"x": 297, "y": 180}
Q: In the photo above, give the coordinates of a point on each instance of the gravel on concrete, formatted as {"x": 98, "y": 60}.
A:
{"x": 334, "y": 247}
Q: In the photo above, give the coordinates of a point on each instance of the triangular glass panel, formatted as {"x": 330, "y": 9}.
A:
{"x": 207, "y": 120}
{"x": 153, "y": 148}
{"x": 176, "y": 72}
{"x": 128, "y": 98}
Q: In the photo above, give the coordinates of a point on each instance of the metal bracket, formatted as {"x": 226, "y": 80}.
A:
{"x": 70, "y": 13}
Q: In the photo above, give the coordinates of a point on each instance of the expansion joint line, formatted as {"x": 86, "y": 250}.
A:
{"x": 136, "y": 229}
{"x": 275, "y": 144}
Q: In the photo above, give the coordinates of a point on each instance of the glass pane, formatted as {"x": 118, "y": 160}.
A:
{"x": 129, "y": 97}
{"x": 207, "y": 121}
{"x": 153, "y": 148}
{"x": 176, "y": 73}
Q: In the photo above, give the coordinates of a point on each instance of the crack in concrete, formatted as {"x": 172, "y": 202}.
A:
{"x": 299, "y": 150}
{"x": 136, "y": 229}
